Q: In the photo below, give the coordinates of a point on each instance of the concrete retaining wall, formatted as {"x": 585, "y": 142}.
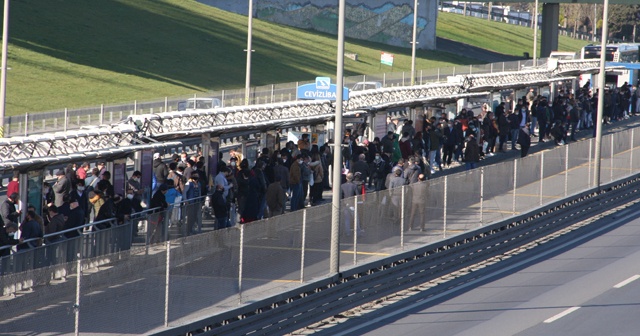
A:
{"x": 385, "y": 21}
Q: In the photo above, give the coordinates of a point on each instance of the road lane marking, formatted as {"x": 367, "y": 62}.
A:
{"x": 628, "y": 281}
{"x": 561, "y": 315}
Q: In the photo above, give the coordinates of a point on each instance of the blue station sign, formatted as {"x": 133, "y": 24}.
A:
{"x": 322, "y": 89}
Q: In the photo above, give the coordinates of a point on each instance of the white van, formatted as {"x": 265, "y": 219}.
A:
{"x": 366, "y": 86}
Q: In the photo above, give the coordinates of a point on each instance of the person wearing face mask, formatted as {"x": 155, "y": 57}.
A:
{"x": 379, "y": 171}
{"x": 79, "y": 195}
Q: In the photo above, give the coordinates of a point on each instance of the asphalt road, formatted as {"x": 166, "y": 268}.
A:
{"x": 580, "y": 288}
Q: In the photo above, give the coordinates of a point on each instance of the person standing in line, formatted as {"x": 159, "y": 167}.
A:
{"x": 61, "y": 187}
{"x": 220, "y": 207}
{"x": 14, "y": 185}
{"x": 295, "y": 181}
{"x": 471, "y": 153}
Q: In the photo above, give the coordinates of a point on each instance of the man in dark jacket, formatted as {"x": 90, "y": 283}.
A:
{"x": 7, "y": 238}
{"x": 220, "y": 207}
{"x": 75, "y": 219}
{"x": 8, "y": 212}
{"x": 471, "y": 153}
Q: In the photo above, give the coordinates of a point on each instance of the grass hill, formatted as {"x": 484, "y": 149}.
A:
{"x": 73, "y": 53}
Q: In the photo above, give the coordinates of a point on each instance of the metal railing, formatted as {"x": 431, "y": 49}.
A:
{"x": 103, "y": 238}
{"x": 73, "y": 119}
{"x": 172, "y": 282}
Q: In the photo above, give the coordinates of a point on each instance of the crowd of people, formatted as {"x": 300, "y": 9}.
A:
{"x": 295, "y": 176}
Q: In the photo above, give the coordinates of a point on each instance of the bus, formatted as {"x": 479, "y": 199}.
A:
{"x": 622, "y": 53}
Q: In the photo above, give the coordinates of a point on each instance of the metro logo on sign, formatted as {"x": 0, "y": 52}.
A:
{"x": 321, "y": 89}
{"x": 386, "y": 58}
{"x": 323, "y": 83}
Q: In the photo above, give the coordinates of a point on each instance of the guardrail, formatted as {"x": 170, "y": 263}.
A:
{"x": 211, "y": 273}
{"x": 72, "y": 119}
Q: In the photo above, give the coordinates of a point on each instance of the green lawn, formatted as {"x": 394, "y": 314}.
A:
{"x": 497, "y": 36}
{"x": 74, "y": 53}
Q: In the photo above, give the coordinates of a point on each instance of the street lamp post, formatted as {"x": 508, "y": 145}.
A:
{"x": 334, "y": 257}
{"x": 3, "y": 76}
{"x": 535, "y": 34}
{"x": 247, "y": 85}
{"x": 413, "y": 44}
{"x": 601, "y": 80}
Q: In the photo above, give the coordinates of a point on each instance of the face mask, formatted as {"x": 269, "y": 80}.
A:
{"x": 45, "y": 190}
{"x": 130, "y": 196}
{"x": 137, "y": 179}
{"x": 377, "y": 158}
{"x": 12, "y": 234}
{"x": 80, "y": 188}
{"x": 233, "y": 164}
{"x": 300, "y": 161}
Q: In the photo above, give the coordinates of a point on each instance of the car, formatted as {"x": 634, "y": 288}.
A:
{"x": 366, "y": 86}
{"x": 192, "y": 104}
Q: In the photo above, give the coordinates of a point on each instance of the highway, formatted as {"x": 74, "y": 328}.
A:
{"x": 577, "y": 285}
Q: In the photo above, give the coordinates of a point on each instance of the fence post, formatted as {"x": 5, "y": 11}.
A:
{"x": 611, "y": 160}
{"x": 454, "y": 71}
{"x": 590, "y": 153}
{"x": 402, "y": 217}
{"x": 101, "y": 114}
{"x": 444, "y": 213}
{"x": 631, "y": 152}
{"x": 240, "y": 263}
{"x": 356, "y": 230}
{"x": 273, "y": 87}
{"x": 491, "y": 68}
{"x": 566, "y": 170}
{"x": 304, "y": 240}
{"x": 515, "y": 183}
{"x": 541, "y": 176}
{"x": 166, "y": 285}
{"x": 438, "y": 74}
{"x": 481, "y": 195}
{"x": 502, "y": 66}
{"x": 26, "y": 124}
{"x": 421, "y": 77}
{"x": 166, "y": 104}
{"x": 384, "y": 79}
{"x": 223, "y": 97}
{"x": 470, "y": 69}
{"x": 76, "y": 305}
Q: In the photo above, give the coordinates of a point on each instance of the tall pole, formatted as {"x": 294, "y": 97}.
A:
{"x": 603, "y": 48}
{"x": 3, "y": 76}
{"x": 247, "y": 85}
{"x": 594, "y": 24}
{"x": 535, "y": 34}
{"x": 413, "y": 45}
{"x": 337, "y": 153}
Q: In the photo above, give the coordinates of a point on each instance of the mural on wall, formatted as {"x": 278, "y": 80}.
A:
{"x": 389, "y": 23}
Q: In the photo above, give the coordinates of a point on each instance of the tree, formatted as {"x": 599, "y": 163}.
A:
{"x": 622, "y": 21}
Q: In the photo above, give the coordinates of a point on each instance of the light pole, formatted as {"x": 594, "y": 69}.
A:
{"x": 247, "y": 85}
{"x": 3, "y": 76}
{"x": 413, "y": 45}
{"x": 535, "y": 35}
{"x": 601, "y": 78}
{"x": 334, "y": 257}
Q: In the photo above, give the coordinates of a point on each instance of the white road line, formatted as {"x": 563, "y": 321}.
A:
{"x": 628, "y": 281}
{"x": 561, "y": 315}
